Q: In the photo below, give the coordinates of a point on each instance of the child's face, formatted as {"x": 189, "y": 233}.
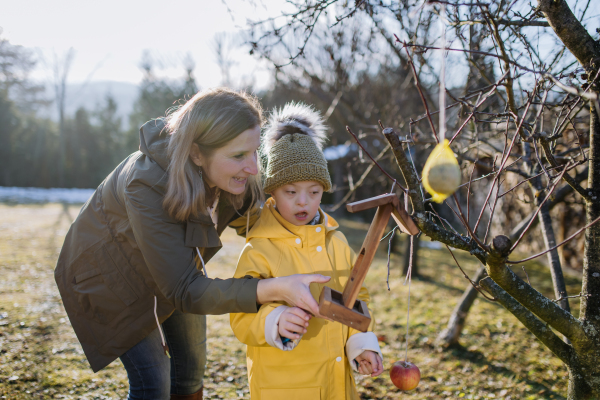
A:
{"x": 298, "y": 202}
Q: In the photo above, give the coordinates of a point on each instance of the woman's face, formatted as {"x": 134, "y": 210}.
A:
{"x": 229, "y": 167}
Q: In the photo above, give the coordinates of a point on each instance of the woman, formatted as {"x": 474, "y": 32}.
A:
{"x": 133, "y": 258}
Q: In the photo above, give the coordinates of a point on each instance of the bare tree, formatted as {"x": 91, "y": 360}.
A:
{"x": 513, "y": 130}
{"x": 61, "y": 67}
{"x": 222, "y": 46}
{"x": 582, "y": 349}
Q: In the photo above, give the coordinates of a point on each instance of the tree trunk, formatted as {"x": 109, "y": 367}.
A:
{"x": 61, "y": 144}
{"x": 456, "y": 323}
{"x": 587, "y": 51}
{"x": 61, "y": 72}
{"x": 582, "y": 386}
{"x": 558, "y": 279}
{"x": 558, "y": 197}
{"x": 590, "y": 306}
{"x": 578, "y": 387}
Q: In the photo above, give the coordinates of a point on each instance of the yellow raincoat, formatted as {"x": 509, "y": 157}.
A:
{"x": 318, "y": 367}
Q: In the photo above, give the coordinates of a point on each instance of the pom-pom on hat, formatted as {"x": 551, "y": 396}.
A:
{"x": 293, "y": 144}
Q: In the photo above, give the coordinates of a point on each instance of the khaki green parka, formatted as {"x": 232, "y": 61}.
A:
{"x": 123, "y": 249}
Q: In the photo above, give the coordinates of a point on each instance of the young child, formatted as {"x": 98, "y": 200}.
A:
{"x": 291, "y": 356}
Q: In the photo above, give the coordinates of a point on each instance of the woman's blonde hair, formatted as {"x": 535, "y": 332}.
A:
{"x": 210, "y": 119}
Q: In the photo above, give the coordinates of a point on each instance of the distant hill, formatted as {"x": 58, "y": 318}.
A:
{"x": 93, "y": 94}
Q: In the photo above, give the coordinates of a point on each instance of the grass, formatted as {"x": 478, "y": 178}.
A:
{"x": 40, "y": 357}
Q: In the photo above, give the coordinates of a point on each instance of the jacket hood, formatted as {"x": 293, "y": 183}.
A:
{"x": 154, "y": 140}
{"x": 271, "y": 225}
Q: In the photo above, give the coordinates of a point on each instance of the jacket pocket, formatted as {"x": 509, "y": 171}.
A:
{"x": 87, "y": 275}
{"x": 97, "y": 302}
{"x": 313, "y": 393}
{"x": 102, "y": 292}
{"x": 111, "y": 262}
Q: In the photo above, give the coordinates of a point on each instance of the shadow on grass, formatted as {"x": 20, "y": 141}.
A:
{"x": 476, "y": 357}
{"x": 430, "y": 280}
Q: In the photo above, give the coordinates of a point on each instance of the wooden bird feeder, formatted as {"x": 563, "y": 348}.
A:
{"x": 343, "y": 307}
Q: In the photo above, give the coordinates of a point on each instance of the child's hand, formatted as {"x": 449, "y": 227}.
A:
{"x": 369, "y": 363}
{"x": 293, "y": 323}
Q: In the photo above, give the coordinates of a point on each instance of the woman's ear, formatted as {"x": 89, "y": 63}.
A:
{"x": 196, "y": 156}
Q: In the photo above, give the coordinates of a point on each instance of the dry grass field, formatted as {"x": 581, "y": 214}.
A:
{"x": 40, "y": 357}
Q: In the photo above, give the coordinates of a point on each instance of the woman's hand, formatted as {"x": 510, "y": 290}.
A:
{"x": 293, "y": 289}
{"x": 293, "y": 323}
{"x": 369, "y": 363}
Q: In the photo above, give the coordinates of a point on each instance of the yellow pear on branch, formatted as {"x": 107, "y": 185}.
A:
{"x": 441, "y": 173}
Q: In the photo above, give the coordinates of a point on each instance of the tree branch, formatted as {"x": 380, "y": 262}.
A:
{"x": 536, "y": 302}
{"x": 570, "y": 31}
{"x": 410, "y": 176}
{"x": 505, "y": 22}
{"x": 541, "y": 330}
{"x": 559, "y": 197}
{"x": 575, "y": 185}
{"x": 429, "y": 228}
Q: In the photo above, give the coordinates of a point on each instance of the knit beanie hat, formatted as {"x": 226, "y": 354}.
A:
{"x": 294, "y": 147}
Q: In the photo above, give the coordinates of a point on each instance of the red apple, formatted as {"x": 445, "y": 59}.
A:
{"x": 405, "y": 375}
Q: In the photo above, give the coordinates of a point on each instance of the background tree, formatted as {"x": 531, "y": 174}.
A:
{"x": 76, "y": 150}
{"x": 61, "y": 68}
{"x": 18, "y": 99}
{"x": 157, "y": 95}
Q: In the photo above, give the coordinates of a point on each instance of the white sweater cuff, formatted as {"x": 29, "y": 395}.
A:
{"x": 360, "y": 342}
{"x": 272, "y": 330}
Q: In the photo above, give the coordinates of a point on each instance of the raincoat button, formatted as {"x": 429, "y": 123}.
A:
{"x": 298, "y": 241}
{"x": 319, "y": 229}
{"x": 338, "y": 359}
{"x": 319, "y": 248}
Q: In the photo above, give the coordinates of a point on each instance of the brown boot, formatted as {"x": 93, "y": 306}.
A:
{"x": 193, "y": 396}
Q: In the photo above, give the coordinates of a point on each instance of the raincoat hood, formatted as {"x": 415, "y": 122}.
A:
{"x": 154, "y": 141}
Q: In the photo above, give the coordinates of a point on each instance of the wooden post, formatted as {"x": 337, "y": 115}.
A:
{"x": 404, "y": 221}
{"x": 366, "y": 254}
{"x": 343, "y": 307}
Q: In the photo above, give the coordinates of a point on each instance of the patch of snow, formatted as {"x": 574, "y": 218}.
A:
{"x": 336, "y": 152}
{"x": 39, "y": 195}
{"x": 431, "y": 245}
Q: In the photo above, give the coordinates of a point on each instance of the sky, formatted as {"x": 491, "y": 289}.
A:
{"x": 110, "y": 36}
